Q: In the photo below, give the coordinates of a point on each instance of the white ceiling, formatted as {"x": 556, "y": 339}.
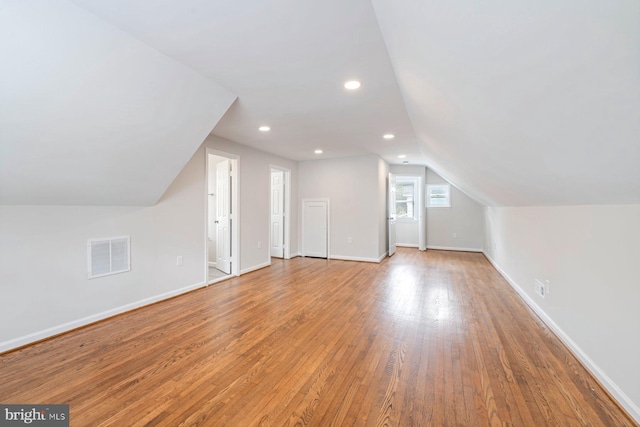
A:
{"x": 90, "y": 115}
{"x": 523, "y": 102}
{"x": 517, "y": 103}
{"x": 287, "y": 61}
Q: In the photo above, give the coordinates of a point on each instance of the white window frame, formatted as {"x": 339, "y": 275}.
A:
{"x": 416, "y": 183}
{"x": 446, "y": 187}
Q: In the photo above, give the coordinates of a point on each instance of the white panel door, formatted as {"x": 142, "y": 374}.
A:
{"x": 277, "y": 214}
{"x": 315, "y": 217}
{"x": 391, "y": 219}
{"x": 223, "y": 213}
{"x": 422, "y": 234}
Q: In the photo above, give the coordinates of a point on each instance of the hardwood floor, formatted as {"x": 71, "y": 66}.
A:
{"x": 422, "y": 339}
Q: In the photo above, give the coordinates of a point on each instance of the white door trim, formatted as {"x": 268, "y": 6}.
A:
{"x": 235, "y": 209}
{"x": 328, "y": 224}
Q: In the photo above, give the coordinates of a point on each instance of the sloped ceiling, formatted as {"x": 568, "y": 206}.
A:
{"x": 287, "y": 61}
{"x": 90, "y": 115}
{"x": 517, "y": 103}
{"x": 523, "y": 102}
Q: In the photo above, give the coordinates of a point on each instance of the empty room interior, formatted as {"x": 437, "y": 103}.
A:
{"x": 340, "y": 212}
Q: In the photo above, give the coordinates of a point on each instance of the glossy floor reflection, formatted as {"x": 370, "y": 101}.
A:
{"x": 421, "y": 339}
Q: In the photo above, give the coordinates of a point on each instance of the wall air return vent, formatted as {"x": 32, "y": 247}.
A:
{"x": 108, "y": 256}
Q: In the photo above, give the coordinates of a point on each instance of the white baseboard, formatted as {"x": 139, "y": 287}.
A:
{"x": 74, "y": 324}
{"x": 293, "y": 255}
{"x": 595, "y": 370}
{"x": 212, "y": 264}
{"x": 255, "y": 267}
{"x": 406, "y": 245}
{"x": 355, "y": 258}
{"x": 451, "y": 248}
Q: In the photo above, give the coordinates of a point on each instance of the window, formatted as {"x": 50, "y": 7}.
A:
{"x": 438, "y": 196}
{"x": 406, "y": 198}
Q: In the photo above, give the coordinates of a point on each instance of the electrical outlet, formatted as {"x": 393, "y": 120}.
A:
{"x": 540, "y": 288}
{"x": 259, "y": 244}
{"x": 179, "y": 260}
{"x": 349, "y": 239}
{"x": 455, "y": 235}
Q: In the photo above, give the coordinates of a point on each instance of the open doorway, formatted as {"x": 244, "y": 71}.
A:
{"x": 279, "y": 217}
{"x": 407, "y": 206}
{"x": 222, "y": 214}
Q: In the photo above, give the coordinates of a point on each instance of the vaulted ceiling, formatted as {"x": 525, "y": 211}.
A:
{"x": 523, "y": 102}
{"x": 90, "y": 115}
{"x": 517, "y": 103}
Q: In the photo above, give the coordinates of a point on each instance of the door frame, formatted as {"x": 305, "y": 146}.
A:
{"x": 287, "y": 210}
{"x": 234, "y": 217}
{"x": 328, "y": 224}
{"x": 420, "y": 209}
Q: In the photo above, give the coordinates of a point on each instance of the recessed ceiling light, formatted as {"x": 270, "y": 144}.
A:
{"x": 388, "y": 136}
{"x": 318, "y": 151}
{"x": 352, "y": 85}
{"x": 264, "y": 128}
{"x": 402, "y": 156}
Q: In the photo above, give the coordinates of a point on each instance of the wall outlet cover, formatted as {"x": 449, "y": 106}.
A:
{"x": 540, "y": 288}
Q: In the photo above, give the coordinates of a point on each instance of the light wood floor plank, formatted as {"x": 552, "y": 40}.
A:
{"x": 423, "y": 338}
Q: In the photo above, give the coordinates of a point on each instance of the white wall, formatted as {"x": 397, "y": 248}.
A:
{"x": 591, "y": 256}
{"x": 90, "y": 115}
{"x": 407, "y": 233}
{"x": 255, "y": 185}
{"x": 353, "y": 186}
{"x": 465, "y": 217}
{"x": 43, "y": 259}
{"x": 562, "y": 80}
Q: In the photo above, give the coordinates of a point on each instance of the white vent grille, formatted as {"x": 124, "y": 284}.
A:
{"x": 108, "y": 256}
